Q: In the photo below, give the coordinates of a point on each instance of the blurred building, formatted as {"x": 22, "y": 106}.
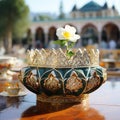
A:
{"x": 93, "y": 22}
{"x": 93, "y": 9}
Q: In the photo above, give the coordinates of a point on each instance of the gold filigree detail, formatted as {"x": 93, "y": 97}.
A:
{"x": 32, "y": 80}
{"x": 52, "y": 83}
{"x": 56, "y": 58}
{"x": 74, "y": 83}
{"x": 93, "y": 82}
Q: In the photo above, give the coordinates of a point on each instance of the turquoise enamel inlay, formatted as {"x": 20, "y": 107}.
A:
{"x": 63, "y": 81}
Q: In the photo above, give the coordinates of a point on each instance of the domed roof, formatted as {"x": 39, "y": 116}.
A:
{"x": 91, "y": 6}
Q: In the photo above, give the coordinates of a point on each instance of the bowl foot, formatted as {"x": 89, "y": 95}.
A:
{"x": 56, "y": 103}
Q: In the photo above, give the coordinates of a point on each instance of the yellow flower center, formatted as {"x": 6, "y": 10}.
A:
{"x": 66, "y": 35}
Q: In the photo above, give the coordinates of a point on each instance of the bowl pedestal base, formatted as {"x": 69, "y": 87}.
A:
{"x": 55, "y": 103}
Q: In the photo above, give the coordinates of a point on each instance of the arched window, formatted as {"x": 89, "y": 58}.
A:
{"x": 40, "y": 36}
{"x": 110, "y": 31}
{"x": 89, "y": 35}
{"x": 52, "y": 34}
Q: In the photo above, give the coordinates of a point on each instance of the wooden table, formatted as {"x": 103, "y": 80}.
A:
{"x": 104, "y": 104}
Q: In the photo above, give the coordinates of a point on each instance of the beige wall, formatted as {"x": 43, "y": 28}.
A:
{"x": 79, "y": 24}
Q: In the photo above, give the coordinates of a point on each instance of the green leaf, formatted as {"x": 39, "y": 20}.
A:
{"x": 68, "y": 45}
{"x": 70, "y": 54}
{"x": 71, "y": 44}
{"x": 62, "y": 43}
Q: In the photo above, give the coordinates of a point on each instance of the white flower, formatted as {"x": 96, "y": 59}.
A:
{"x": 67, "y": 33}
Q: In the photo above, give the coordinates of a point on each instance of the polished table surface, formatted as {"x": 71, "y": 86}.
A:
{"x": 104, "y": 104}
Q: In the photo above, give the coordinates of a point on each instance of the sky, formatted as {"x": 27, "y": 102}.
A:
{"x": 52, "y": 6}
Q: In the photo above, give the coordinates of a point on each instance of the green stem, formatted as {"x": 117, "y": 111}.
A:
{"x": 69, "y": 52}
{"x": 67, "y": 47}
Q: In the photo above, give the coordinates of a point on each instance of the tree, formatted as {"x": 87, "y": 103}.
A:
{"x": 44, "y": 17}
{"x": 14, "y": 16}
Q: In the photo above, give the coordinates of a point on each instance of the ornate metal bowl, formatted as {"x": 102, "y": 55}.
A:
{"x": 62, "y": 82}
{"x": 54, "y": 78}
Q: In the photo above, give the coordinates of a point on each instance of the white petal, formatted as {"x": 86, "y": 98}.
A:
{"x": 77, "y": 36}
{"x": 70, "y": 29}
{"x": 59, "y": 33}
{"x": 74, "y": 38}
